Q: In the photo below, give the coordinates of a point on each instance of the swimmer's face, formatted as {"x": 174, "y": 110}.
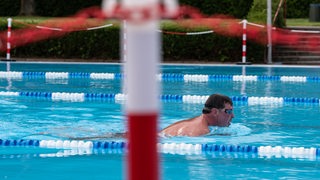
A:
{"x": 225, "y": 116}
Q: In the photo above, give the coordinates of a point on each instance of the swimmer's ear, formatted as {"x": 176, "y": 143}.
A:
{"x": 214, "y": 110}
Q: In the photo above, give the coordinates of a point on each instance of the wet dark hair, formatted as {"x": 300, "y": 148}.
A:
{"x": 216, "y": 101}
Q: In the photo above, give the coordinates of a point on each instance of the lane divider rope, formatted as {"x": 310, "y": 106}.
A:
{"x": 173, "y": 148}
{"x": 164, "y": 76}
{"x": 191, "y": 99}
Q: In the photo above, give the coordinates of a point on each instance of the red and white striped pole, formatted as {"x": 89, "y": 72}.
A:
{"x": 142, "y": 105}
{"x": 244, "y": 44}
{"x": 9, "y": 38}
{"x": 244, "y": 41}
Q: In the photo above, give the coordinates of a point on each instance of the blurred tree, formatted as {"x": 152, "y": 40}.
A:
{"x": 27, "y": 8}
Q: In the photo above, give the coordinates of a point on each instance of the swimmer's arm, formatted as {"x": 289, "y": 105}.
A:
{"x": 104, "y": 136}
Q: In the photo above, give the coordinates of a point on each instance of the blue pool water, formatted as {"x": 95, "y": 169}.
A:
{"x": 286, "y": 124}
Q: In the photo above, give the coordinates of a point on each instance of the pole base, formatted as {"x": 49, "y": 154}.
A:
{"x": 11, "y": 60}
{"x": 244, "y": 63}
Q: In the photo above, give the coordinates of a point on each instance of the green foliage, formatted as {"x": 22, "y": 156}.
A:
{"x": 104, "y": 44}
{"x": 258, "y": 13}
{"x": 207, "y": 47}
{"x": 51, "y": 8}
{"x": 9, "y": 7}
{"x": 97, "y": 44}
{"x": 59, "y": 8}
{"x": 299, "y": 8}
{"x": 235, "y": 8}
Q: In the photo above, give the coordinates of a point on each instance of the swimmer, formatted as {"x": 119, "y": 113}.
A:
{"x": 217, "y": 111}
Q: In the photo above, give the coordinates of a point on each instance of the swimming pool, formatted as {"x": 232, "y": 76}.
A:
{"x": 273, "y": 135}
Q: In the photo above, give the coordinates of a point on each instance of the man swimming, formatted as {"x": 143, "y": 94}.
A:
{"x": 217, "y": 112}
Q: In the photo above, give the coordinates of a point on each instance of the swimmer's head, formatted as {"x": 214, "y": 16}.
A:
{"x": 217, "y": 101}
{"x": 218, "y": 110}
